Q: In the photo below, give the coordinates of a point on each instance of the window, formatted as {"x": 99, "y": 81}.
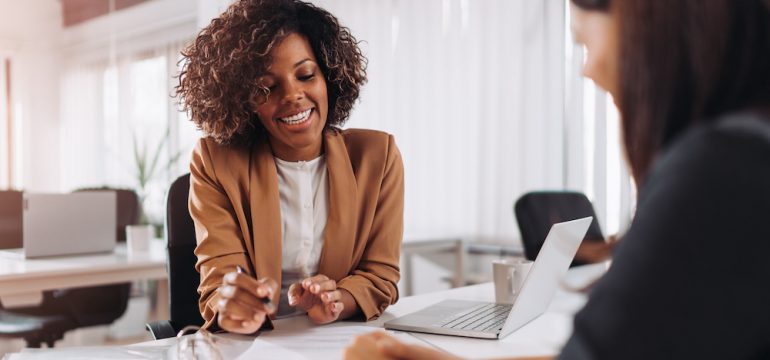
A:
{"x": 5, "y": 139}
{"x": 595, "y": 161}
{"x": 8, "y": 132}
{"x": 121, "y": 127}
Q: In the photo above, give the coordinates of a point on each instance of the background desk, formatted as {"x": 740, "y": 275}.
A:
{"x": 417, "y": 244}
{"x": 22, "y": 281}
{"x": 460, "y": 247}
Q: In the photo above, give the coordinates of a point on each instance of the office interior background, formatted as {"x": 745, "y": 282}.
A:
{"x": 485, "y": 100}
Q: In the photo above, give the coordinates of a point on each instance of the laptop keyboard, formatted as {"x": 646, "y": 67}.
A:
{"x": 485, "y": 317}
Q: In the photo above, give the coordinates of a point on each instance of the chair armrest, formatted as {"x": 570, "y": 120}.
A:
{"x": 160, "y": 329}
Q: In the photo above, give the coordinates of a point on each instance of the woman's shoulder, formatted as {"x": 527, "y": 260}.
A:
{"x": 741, "y": 138}
{"x": 736, "y": 127}
{"x": 366, "y": 148}
{"x": 209, "y": 153}
{"x": 212, "y": 148}
{"x": 366, "y": 141}
{"x": 375, "y": 137}
{"x": 731, "y": 150}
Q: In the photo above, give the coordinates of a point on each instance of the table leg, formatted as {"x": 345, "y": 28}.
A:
{"x": 459, "y": 278}
{"x": 407, "y": 272}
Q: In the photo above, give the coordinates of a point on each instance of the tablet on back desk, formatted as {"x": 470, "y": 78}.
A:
{"x": 67, "y": 224}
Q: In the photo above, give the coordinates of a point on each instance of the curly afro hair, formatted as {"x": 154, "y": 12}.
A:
{"x": 218, "y": 83}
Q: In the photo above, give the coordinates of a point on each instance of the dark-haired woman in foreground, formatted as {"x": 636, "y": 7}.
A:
{"x": 311, "y": 213}
{"x": 690, "y": 278}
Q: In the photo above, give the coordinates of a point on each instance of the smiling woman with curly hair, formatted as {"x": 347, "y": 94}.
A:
{"x": 312, "y": 214}
{"x": 220, "y": 81}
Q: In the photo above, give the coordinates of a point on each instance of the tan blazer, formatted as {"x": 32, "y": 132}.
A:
{"x": 235, "y": 206}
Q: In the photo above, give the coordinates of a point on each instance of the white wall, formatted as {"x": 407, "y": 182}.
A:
{"x": 473, "y": 92}
{"x": 31, "y": 34}
{"x": 28, "y": 34}
{"x": 129, "y": 31}
{"x": 209, "y": 9}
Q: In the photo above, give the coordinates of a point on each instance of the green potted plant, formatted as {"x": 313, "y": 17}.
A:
{"x": 147, "y": 167}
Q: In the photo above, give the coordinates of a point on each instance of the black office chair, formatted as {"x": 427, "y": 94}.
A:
{"x": 67, "y": 309}
{"x": 103, "y": 304}
{"x": 183, "y": 279}
{"x": 35, "y": 330}
{"x": 537, "y": 211}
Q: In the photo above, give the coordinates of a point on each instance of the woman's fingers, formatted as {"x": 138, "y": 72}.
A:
{"x": 264, "y": 287}
{"x": 310, "y": 290}
{"x": 373, "y": 346}
{"x": 330, "y": 296}
{"x": 240, "y": 326}
{"x": 238, "y": 310}
{"x": 248, "y": 299}
{"x": 249, "y": 291}
{"x": 318, "y": 283}
{"x": 319, "y": 296}
{"x": 295, "y": 294}
{"x": 335, "y": 308}
{"x": 364, "y": 347}
{"x": 383, "y": 346}
{"x": 322, "y": 286}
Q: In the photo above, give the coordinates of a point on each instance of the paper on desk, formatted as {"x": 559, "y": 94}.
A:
{"x": 92, "y": 353}
{"x": 315, "y": 343}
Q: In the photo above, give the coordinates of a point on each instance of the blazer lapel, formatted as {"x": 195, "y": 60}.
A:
{"x": 340, "y": 232}
{"x": 265, "y": 209}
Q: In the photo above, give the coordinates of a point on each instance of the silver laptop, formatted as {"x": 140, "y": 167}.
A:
{"x": 67, "y": 224}
{"x": 493, "y": 321}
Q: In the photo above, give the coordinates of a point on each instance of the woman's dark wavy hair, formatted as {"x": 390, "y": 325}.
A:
{"x": 218, "y": 82}
{"x": 685, "y": 62}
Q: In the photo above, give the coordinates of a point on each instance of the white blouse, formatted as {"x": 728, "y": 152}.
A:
{"x": 303, "y": 188}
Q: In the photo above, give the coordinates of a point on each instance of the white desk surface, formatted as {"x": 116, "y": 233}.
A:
{"x": 543, "y": 336}
{"x": 22, "y": 281}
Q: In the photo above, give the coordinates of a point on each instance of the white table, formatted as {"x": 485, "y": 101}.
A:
{"x": 22, "y": 281}
{"x": 541, "y": 337}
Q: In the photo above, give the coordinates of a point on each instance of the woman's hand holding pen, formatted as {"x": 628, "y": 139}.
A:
{"x": 242, "y": 307}
{"x": 320, "y": 297}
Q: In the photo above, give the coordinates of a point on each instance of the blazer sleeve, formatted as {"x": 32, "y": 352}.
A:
{"x": 217, "y": 230}
{"x": 373, "y": 280}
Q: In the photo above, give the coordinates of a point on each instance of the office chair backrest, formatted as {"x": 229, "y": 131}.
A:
{"x": 537, "y": 211}
{"x": 11, "y": 221}
{"x": 183, "y": 279}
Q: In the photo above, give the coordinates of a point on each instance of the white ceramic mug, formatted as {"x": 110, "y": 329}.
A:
{"x": 508, "y": 276}
{"x": 138, "y": 238}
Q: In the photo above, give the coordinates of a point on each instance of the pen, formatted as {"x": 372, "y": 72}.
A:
{"x": 265, "y": 300}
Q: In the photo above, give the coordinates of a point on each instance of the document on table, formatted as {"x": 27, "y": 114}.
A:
{"x": 315, "y": 343}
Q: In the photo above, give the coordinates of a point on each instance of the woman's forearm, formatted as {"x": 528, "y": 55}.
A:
{"x": 350, "y": 305}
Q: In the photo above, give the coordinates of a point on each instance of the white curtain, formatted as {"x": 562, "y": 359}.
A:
{"x": 485, "y": 99}
{"x": 594, "y": 160}
{"x": 109, "y": 112}
{"x": 4, "y": 165}
{"x": 473, "y": 92}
